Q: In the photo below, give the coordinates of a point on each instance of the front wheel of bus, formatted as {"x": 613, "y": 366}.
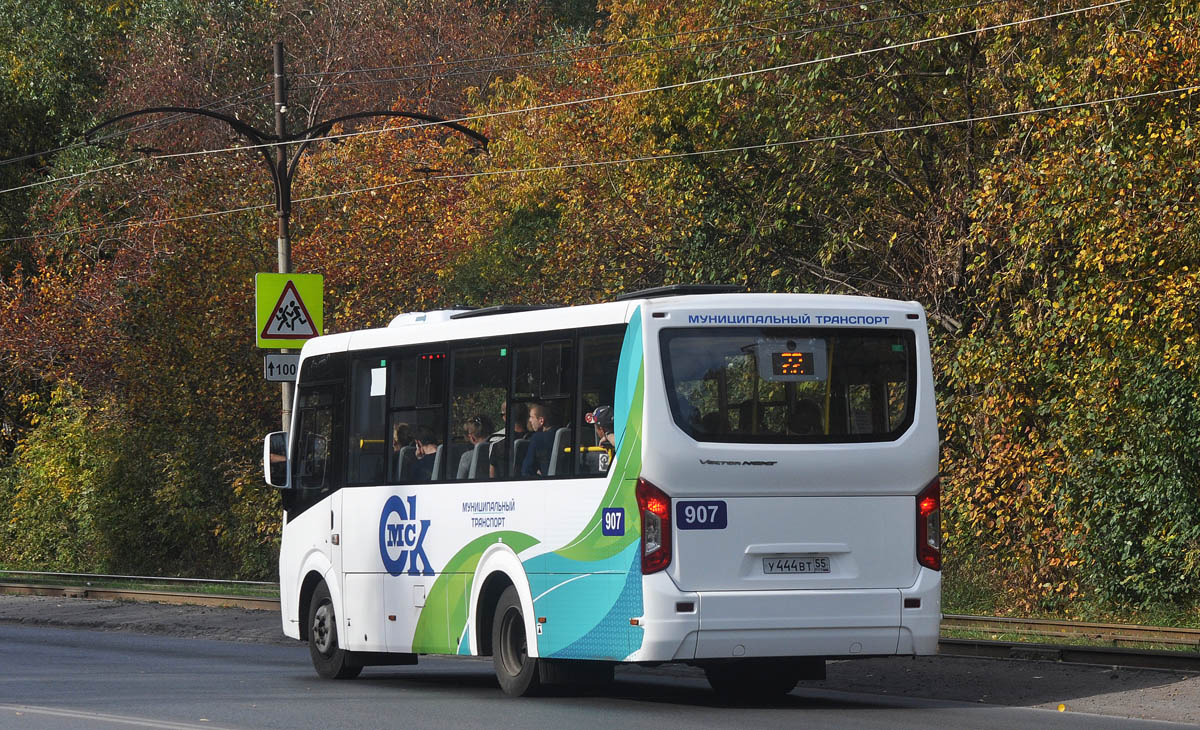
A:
{"x": 329, "y": 659}
{"x": 515, "y": 669}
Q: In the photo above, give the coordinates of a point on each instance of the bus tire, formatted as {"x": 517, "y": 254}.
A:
{"x": 330, "y": 660}
{"x": 516, "y": 671}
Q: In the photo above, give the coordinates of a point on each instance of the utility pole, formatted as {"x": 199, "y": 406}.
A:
{"x": 276, "y": 153}
{"x": 283, "y": 206}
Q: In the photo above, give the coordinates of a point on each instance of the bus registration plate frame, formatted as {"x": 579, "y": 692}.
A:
{"x": 796, "y": 564}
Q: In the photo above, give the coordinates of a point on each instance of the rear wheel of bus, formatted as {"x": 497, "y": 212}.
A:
{"x": 516, "y": 671}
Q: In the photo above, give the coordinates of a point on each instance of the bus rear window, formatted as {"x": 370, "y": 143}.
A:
{"x": 788, "y": 385}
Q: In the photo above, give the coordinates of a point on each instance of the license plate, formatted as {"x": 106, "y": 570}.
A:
{"x": 797, "y": 564}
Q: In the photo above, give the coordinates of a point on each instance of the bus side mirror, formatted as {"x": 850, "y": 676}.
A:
{"x": 275, "y": 466}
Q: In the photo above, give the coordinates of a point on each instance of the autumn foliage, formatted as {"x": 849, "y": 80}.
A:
{"x": 1032, "y": 184}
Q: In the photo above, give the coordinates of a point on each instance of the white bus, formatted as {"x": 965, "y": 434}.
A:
{"x": 747, "y": 483}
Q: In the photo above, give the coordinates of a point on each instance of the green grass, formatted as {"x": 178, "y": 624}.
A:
{"x": 1060, "y": 640}
{"x": 217, "y": 589}
{"x": 970, "y": 592}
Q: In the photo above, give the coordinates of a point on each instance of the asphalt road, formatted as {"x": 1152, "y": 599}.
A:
{"x": 77, "y": 663}
{"x": 68, "y": 678}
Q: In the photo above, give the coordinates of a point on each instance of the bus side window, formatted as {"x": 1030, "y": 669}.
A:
{"x": 477, "y": 407}
{"x": 316, "y": 462}
{"x": 314, "y": 457}
{"x": 417, "y": 382}
{"x": 368, "y": 443}
{"x": 543, "y": 380}
{"x": 599, "y": 356}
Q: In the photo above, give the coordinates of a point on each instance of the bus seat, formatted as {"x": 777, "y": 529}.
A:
{"x": 404, "y": 462}
{"x": 480, "y": 461}
{"x": 562, "y": 439}
{"x": 520, "y": 446}
{"x": 457, "y": 468}
{"x": 437, "y": 464}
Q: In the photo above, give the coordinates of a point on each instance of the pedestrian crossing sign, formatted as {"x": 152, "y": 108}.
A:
{"x": 288, "y": 309}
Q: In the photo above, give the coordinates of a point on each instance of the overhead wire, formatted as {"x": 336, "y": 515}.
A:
{"x": 606, "y": 44}
{"x": 764, "y": 145}
{"x": 594, "y": 99}
{"x": 655, "y": 51}
{"x": 1186, "y": 90}
{"x": 502, "y": 69}
{"x": 552, "y": 51}
{"x": 730, "y": 76}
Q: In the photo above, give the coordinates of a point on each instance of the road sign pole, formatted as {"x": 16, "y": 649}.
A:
{"x": 283, "y": 206}
{"x": 285, "y": 388}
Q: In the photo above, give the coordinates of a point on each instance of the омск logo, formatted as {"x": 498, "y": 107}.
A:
{"x": 402, "y": 538}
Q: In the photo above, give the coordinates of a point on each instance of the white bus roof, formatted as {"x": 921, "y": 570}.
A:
{"x": 461, "y": 324}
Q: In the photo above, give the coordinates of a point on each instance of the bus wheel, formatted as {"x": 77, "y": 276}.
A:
{"x": 330, "y": 660}
{"x": 749, "y": 681}
{"x": 515, "y": 669}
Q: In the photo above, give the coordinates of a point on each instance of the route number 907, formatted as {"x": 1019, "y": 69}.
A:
{"x": 707, "y": 515}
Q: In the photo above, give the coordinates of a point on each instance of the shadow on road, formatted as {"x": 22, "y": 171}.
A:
{"x": 884, "y": 682}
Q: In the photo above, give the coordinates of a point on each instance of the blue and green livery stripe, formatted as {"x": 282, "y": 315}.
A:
{"x": 444, "y": 616}
{"x": 592, "y": 586}
{"x": 591, "y": 556}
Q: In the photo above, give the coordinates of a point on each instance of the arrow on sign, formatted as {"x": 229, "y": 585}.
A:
{"x": 281, "y": 368}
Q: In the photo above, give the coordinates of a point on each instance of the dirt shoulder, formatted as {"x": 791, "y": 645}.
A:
{"x": 1135, "y": 693}
{"x": 206, "y": 622}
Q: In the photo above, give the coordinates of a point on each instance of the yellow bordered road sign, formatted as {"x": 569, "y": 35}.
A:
{"x": 288, "y": 309}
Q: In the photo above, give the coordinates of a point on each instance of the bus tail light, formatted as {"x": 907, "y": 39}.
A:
{"x": 929, "y": 526}
{"x": 655, "y": 507}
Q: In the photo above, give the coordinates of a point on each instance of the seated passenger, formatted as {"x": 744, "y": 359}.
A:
{"x": 541, "y": 441}
{"x": 401, "y": 437}
{"x": 500, "y": 442}
{"x": 427, "y": 446}
{"x": 477, "y": 430}
{"x": 602, "y": 419}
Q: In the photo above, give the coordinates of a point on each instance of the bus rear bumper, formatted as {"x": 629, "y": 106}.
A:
{"x": 828, "y": 623}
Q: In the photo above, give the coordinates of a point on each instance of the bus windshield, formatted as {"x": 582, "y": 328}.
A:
{"x": 789, "y": 385}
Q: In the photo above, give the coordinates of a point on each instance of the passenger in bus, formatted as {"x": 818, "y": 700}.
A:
{"x": 541, "y": 441}
{"x": 401, "y": 437}
{"x": 477, "y": 430}
{"x": 602, "y": 420}
{"x": 427, "y": 446}
{"x": 498, "y": 434}
{"x": 501, "y": 445}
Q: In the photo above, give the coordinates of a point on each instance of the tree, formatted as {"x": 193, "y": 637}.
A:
{"x": 1072, "y": 395}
